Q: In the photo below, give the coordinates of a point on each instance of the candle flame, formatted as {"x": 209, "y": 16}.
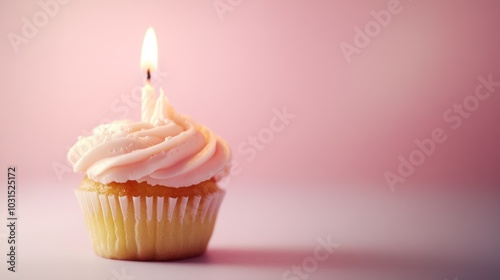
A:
{"x": 149, "y": 56}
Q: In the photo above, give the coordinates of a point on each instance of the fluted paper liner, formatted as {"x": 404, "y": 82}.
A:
{"x": 149, "y": 228}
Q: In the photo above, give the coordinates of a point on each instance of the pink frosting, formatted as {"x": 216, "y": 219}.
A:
{"x": 170, "y": 150}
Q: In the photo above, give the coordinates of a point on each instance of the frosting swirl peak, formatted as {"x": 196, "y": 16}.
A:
{"x": 170, "y": 150}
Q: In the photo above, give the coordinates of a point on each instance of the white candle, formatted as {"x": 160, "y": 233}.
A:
{"x": 148, "y": 102}
{"x": 149, "y": 60}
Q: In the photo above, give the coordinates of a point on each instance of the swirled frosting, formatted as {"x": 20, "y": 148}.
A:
{"x": 170, "y": 150}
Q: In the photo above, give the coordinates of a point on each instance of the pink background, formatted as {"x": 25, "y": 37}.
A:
{"x": 352, "y": 121}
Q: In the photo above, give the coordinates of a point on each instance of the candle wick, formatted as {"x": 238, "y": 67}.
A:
{"x": 148, "y": 77}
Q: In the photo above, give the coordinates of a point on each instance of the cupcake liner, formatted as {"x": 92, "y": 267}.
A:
{"x": 149, "y": 228}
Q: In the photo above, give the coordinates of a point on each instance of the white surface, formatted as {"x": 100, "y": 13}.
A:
{"x": 410, "y": 234}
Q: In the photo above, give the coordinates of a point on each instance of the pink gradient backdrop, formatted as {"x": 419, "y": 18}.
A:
{"x": 352, "y": 119}
{"x": 352, "y": 122}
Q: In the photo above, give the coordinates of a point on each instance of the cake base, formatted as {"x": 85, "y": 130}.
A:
{"x": 136, "y": 221}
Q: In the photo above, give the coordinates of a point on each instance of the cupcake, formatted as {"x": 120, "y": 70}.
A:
{"x": 150, "y": 190}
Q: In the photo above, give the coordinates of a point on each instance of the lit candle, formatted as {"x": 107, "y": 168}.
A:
{"x": 149, "y": 60}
